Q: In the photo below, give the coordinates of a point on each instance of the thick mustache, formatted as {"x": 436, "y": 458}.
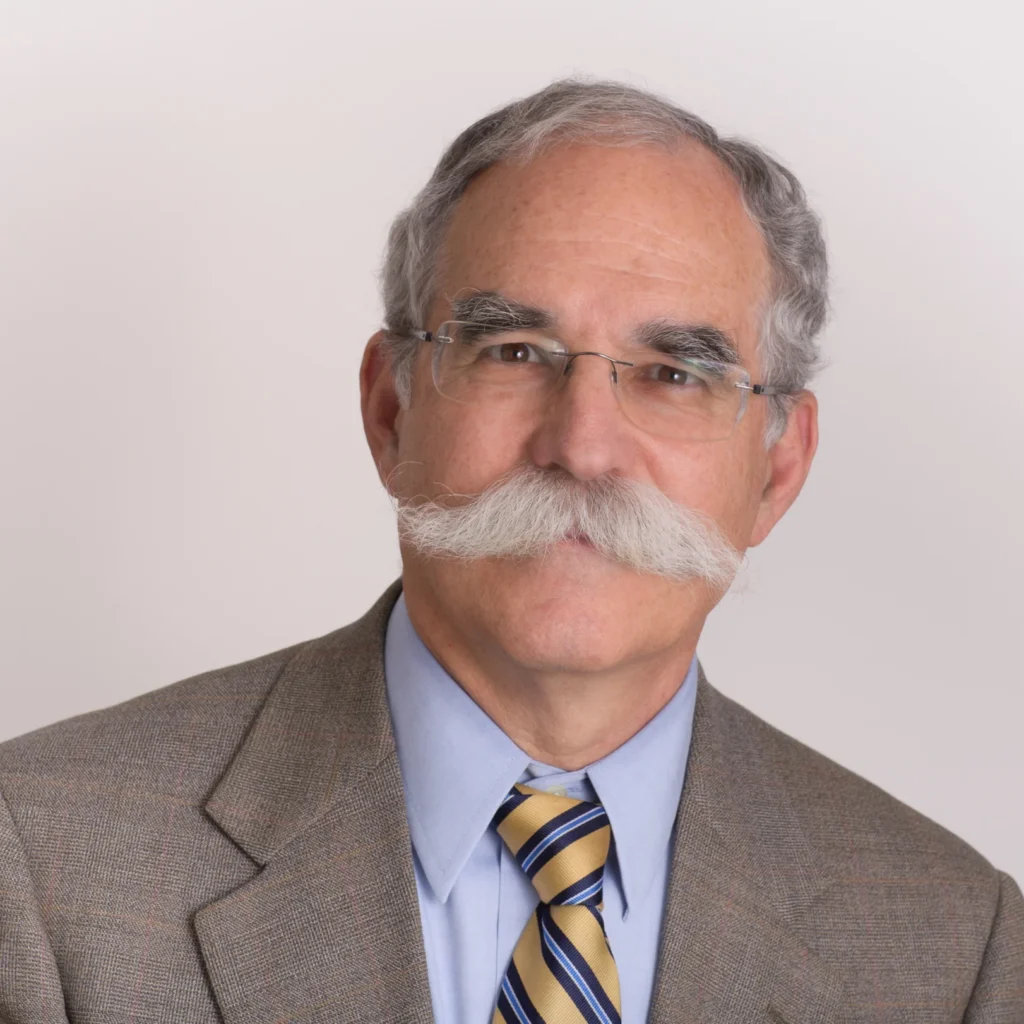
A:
{"x": 527, "y": 511}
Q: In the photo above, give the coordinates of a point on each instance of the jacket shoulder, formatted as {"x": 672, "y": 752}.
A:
{"x": 858, "y": 829}
{"x": 186, "y": 730}
{"x": 176, "y": 741}
{"x": 894, "y": 903}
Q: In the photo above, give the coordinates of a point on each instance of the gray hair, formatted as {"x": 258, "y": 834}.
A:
{"x": 527, "y": 511}
{"x": 611, "y": 113}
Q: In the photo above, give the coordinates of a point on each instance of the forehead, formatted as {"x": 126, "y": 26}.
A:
{"x": 608, "y": 237}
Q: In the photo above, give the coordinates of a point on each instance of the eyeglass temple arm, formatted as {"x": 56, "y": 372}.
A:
{"x": 430, "y": 336}
{"x": 762, "y": 389}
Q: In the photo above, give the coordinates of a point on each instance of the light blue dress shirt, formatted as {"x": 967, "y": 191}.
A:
{"x": 457, "y": 766}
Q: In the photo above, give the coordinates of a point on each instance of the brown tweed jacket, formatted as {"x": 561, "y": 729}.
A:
{"x": 234, "y": 848}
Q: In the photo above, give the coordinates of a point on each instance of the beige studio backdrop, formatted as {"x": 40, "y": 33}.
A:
{"x": 193, "y": 202}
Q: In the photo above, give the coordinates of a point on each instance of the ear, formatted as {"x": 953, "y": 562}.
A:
{"x": 381, "y": 408}
{"x": 789, "y": 462}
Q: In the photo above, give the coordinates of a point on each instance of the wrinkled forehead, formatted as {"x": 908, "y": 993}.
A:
{"x": 608, "y": 237}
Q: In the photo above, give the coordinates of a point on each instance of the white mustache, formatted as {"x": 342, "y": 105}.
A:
{"x": 529, "y": 510}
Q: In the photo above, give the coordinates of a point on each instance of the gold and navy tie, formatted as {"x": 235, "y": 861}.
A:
{"x": 562, "y": 970}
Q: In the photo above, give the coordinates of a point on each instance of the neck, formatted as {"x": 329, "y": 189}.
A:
{"x": 559, "y": 716}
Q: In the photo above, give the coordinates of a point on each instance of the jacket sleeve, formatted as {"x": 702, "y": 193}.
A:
{"x": 998, "y": 996}
{"x": 30, "y": 989}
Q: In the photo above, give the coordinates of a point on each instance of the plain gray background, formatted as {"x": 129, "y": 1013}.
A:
{"x": 193, "y": 202}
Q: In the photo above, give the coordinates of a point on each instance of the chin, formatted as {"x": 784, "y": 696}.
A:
{"x": 573, "y": 609}
{"x": 574, "y": 643}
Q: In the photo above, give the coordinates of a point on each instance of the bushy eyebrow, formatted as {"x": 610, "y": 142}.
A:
{"x": 689, "y": 341}
{"x": 492, "y": 311}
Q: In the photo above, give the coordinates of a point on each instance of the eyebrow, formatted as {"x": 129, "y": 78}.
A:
{"x": 689, "y": 341}
{"x": 492, "y": 311}
{"x": 495, "y": 312}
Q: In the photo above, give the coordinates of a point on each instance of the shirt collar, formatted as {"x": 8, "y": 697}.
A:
{"x": 457, "y": 765}
{"x": 448, "y": 746}
{"x": 640, "y": 783}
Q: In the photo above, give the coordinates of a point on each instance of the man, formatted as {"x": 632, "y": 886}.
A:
{"x": 508, "y": 792}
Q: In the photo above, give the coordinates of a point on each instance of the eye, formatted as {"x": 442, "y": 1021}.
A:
{"x": 675, "y": 376}
{"x": 513, "y": 352}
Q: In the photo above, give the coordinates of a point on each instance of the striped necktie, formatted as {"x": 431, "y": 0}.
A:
{"x": 562, "y": 970}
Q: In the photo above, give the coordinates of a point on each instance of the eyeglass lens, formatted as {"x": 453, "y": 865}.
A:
{"x": 670, "y": 397}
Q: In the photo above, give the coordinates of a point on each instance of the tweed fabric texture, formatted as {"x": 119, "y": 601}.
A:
{"x": 234, "y": 848}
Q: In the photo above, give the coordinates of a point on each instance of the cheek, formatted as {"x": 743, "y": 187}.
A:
{"x": 718, "y": 480}
{"x": 446, "y": 446}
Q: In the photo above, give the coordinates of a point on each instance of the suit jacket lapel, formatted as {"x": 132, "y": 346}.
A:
{"x": 742, "y": 876}
{"x": 329, "y": 929}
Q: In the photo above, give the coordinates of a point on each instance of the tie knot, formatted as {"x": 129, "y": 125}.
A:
{"x": 561, "y": 843}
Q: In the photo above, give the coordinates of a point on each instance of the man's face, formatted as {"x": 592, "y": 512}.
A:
{"x": 605, "y": 240}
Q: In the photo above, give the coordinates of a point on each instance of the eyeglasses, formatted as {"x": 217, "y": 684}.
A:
{"x": 684, "y": 399}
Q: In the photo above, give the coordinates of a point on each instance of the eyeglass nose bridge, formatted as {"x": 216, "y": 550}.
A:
{"x": 571, "y": 357}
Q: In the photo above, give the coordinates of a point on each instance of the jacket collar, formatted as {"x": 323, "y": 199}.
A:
{"x": 324, "y": 724}
{"x": 743, "y": 878}
{"x": 329, "y": 929}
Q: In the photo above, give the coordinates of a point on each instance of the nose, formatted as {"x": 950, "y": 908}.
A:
{"x": 583, "y": 430}
{"x": 612, "y": 363}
